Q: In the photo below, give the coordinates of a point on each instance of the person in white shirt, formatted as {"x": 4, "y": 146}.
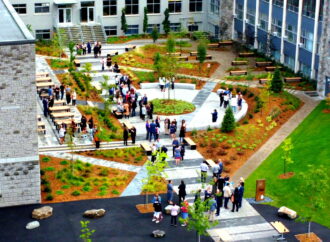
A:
{"x": 233, "y": 104}
{"x": 226, "y": 194}
{"x": 226, "y": 100}
{"x": 204, "y": 168}
{"x": 161, "y": 84}
{"x": 74, "y": 98}
{"x": 174, "y": 214}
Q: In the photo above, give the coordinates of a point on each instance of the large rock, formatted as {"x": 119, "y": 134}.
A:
{"x": 42, "y": 213}
{"x": 94, "y": 213}
{"x": 32, "y": 225}
{"x": 158, "y": 233}
{"x": 284, "y": 211}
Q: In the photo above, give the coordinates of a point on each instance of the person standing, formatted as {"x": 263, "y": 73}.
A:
{"x": 57, "y": 92}
{"x": 240, "y": 194}
{"x": 45, "y": 106}
{"x": 233, "y": 104}
{"x": 133, "y": 134}
{"x": 182, "y": 133}
{"x": 167, "y": 124}
{"x": 214, "y": 116}
{"x": 182, "y": 192}
{"x": 96, "y": 50}
{"x": 177, "y": 155}
{"x": 220, "y": 167}
{"x": 207, "y": 193}
{"x": 218, "y": 198}
{"x": 235, "y": 200}
{"x": 96, "y": 138}
{"x": 148, "y": 130}
{"x": 125, "y": 136}
{"x": 153, "y": 152}
{"x": 213, "y": 206}
{"x": 151, "y": 110}
{"x": 184, "y": 212}
{"x": 152, "y": 131}
{"x": 204, "y": 168}
{"x": 126, "y": 110}
{"x": 103, "y": 61}
{"x": 226, "y": 194}
{"x": 215, "y": 170}
{"x": 68, "y": 95}
{"x": 61, "y": 134}
{"x": 175, "y": 144}
{"x": 89, "y": 47}
{"x": 197, "y": 195}
{"x": 74, "y": 98}
{"x": 157, "y": 204}
{"x": 62, "y": 91}
{"x": 182, "y": 151}
{"x": 143, "y": 112}
{"x": 221, "y": 95}
{"x": 169, "y": 192}
{"x": 226, "y": 100}
{"x": 174, "y": 214}
{"x": 239, "y": 101}
{"x": 172, "y": 129}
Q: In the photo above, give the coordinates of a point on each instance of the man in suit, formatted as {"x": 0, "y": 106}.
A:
{"x": 240, "y": 194}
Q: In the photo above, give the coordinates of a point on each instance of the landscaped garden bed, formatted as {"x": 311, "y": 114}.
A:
{"x": 266, "y": 113}
{"x": 58, "y": 64}
{"x": 110, "y": 128}
{"x": 172, "y": 107}
{"x": 49, "y": 48}
{"x": 133, "y": 156}
{"x": 66, "y": 180}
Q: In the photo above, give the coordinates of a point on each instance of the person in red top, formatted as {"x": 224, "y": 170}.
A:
{"x": 184, "y": 212}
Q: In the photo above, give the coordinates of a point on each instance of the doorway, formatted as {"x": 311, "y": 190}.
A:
{"x": 87, "y": 12}
{"x": 64, "y": 15}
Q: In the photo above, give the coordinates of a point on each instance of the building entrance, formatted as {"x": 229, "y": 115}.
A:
{"x": 87, "y": 12}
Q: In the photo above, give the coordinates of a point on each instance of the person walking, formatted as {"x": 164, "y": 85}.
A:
{"x": 225, "y": 100}
{"x": 103, "y": 62}
{"x": 240, "y": 194}
{"x": 45, "y": 106}
{"x": 68, "y": 95}
{"x": 151, "y": 110}
{"x": 174, "y": 214}
{"x": 175, "y": 144}
{"x": 184, "y": 212}
{"x": 226, "y": 194}
{"x": 169, "y": 192}
{"x": 157, "y": 204}
{"x": 204, "y": 168}
{"x": 62, "y": 91}
{"x": 221, "y": 95}
{"x": 89, "y": 47}
{"x": 214, "y": 116}
{"x": 182, "y": 151}
{"x": 218, "y": 199}
{"x": 148, "y": 130}
{"x": 235, "y": 200}
{"x": 213, "y": 206}
{"x": 133, "y": 134}
{"x": 125, "y": 136}
{"x": 182, "y": 133}
{"x": 74, "y": 97}
{"x": 152, "y": 131}
{"x": 182, "y": 192}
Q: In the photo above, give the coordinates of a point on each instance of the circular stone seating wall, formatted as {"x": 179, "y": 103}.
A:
{"x": 176, "y": 85}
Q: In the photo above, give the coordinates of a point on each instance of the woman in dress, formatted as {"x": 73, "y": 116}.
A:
{"x": 169, "y": 192}
{"x": 177, "y": 155}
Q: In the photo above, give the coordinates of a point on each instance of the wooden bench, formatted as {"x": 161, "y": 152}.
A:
{"x": 292, "y": 79}
{"x": 214, "y": 45}
{"x": 59, "y": 122}
{"x": 128, "y": 124}
{"x": 42, "y": 74}
{"x": 174, "y": 53}
{"x": 225, "y": 43}
{"x": 208, "y": 57}
{"x": 43, "y": 79}
{"x": 238, "y": 63}
{"x": 182, "y": 58}
{"x": 45, "y": 84}
{"x": 44, "y": 95}
{"x": 193, "y": 53}
{"x": 272, "y": 68}
{"x": 246, "y": 54}
{"x": 191, "y": 143}
{"x": 59, "y": 102}
{"x": 130, "y": 47}
{"x": 59, "y": 109}
{"x": 263, "y": 80}
{"x": 41, "y": 127}
{"x": 237, "y": 73}
{"x": 280, "y": 227}
{"x": 146, "y": 147}
{"x": 113, "y": 53}
{"x": 62, "y": 115}
{"x": 263, "y": 63}
{"x": 210, "y": 162}
{"x": 76, "y": 63}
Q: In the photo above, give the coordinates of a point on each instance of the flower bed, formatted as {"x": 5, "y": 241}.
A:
{"x": 172, "y": 107}
{"x": 64, "y": 180}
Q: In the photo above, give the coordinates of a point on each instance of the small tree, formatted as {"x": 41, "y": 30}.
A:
{"x": 145, "y": 20}
{"x": 124, "y": 25}
{"x": 276, "y": 84}
{"x": 313, "y": 189}
{"x": 157, "y": 63}
{"x": 201, "y": 53}
{"x": 70, "y": 143}
{"x": 166, "y": 22}
{"x": 86, "y": 233}
{"x": 72, "y": 57}
{"x": 228, "y": 122}
{"x": 155, "y": 33}
{"x": 287, "y": 147}
{"x": 170, "y": 44}
{"x": 197, "y": 218}
{"x": 87, "y": 69}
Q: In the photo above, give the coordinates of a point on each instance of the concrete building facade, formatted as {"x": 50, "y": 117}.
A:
{"x": 19, "y": 160}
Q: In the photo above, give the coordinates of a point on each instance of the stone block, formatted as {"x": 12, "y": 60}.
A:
{"x": 284, "y": 211}
{"x": 94, "y": 213}
{"x": 42, "y": 213}
{"x": 32, "y": 225}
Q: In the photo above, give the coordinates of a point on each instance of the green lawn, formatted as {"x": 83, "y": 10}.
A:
{"x": 311, "y": 140}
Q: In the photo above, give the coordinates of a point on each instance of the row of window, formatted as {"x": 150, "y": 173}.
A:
{"x": 38, "y": 8}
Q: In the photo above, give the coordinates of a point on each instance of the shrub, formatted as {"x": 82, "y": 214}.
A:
{"x": 104, "y": 172}
{"x": 50, "y": 168}
{"x": 47, "y": 189}
{"x": 276, "y": 84}
{"x": 44, "y": 181}
{"x": 59, "y": 192}
{"x": 66, "y": 187}
{"x": 245, "y": 121}
{"x": 75, "y": 193}
{"x": 251, "y": 116}
{"x": 228, "y": 123}
{"x": 64, "y": 162}
{"x": 251, "y": 94}
{"x": 42, "y": 172}
{"x": 86, "y": 188}
{"x": 49, "y": 197}
{"x": 233, "y": 158}
{"x": 45, "y": 159}
{"x": 115, "y": 192}
{"x": 240, "y": 152}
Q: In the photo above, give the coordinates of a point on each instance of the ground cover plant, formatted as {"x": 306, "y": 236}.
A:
{"x": 109, "y": 126}
{"x": 266, "y": 113}
{"x": 58, "y": 64}
{"x": 49, "y": 48}
{"x": 172, "y": 107}
{"x": 66, "y": 180}
{"x": 133, "y": 156}
{"x": 310, "y": 141}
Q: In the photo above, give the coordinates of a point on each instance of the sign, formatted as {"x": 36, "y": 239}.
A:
{"x": 260, "y": 189}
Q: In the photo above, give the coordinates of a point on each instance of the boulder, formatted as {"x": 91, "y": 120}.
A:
{"x": 158, "y": 233}
{"x": 284, "y": 211}
{"x": 32, "y": 225}
{"x": 94, "y": 213}
{"x": 42, "y": 213}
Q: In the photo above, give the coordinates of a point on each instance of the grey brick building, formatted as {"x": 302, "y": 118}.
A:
{"x": 19, "y": 162}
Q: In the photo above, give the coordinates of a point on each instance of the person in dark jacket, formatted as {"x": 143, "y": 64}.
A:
{"x": 221, "y": 95}
{"x": 241, "y": 193}
{"x": 89, "y": 47}
{"x": 45, "y": 106}
{"x": 214, "y": 116}
{"x": 133, "y": 134}
{"x": 182, "y": 151}
{"x": 152, "y": 130}
{"x": 218, "y": 198}
{"x": 235, "y": 200}
{"x": 182, "y": 192}
{"x": 125, "y": 136}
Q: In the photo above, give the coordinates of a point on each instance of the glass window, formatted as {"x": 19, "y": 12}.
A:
{"x": 151, "y": 27}
{"x": 307, "y": 39}
{"x": 276, "y": 54}
{"x": 214, "y": 6}
{"x": 153, "y": 6}
{"x": 305, "y": 69}
{"x": 239, "y": 11}
{"x": 293, "y": 5}
{"x": 132, "y": 29}
{"x": 289, "y": 61}
{"x": 291, "y": 33}
{"x": 20, "y": 8}
{"x": 175, "y": 27}
{"x": 196, "y": 6}
{"x": 309, "y": 7}
{"x": 110, "y": 30}
{"x": 250, "y": 15}
{"x": 276, "y": 27}
{"x": 278, "y": 3}
{"x": 41, "y": 7}
{"x": 43, "y": 34}
{"x": 132, "y": 7}
{"x": 193, "y": 27}
{"x": 263, "y": 21}
{"x": 109, "y": 7}
{"x": 174, "y": 6}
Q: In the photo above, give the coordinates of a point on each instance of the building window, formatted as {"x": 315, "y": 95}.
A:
{"x": 309, "y": 7}
{"x": 174, "y": 6}
{"x": 110, "y": 30}
{"x": 132, "y": 29}
{"x": 214, "y": 6}
{"x": 195, "y": 6}
{"x": 41, "y": 7}
{"x": 192, "y": 27}
{"x": 153, "y": 6}
{"x": 293, "y": 5}
{"x": 132, "y": 7}
{"x": 43, "y": 34}
{"x": 239, "y": 11}
{"x": 276, "y": 54}
{"x": 109, "y": 7}
{"x": 289, "y": 61}
{"x": 276, "y": 27}
{"x": 305, "y": 69}
{"x": 278, "y": 3}
{"x": 20, "y": 8}
{"x": 263, "y": 21}
{"x": 250, "y": 16}
{"x": 307, "y": 39}
{"x": 291, "y": 33}
{"x": 152, "y": 26}
{"x": 175, "y": 27}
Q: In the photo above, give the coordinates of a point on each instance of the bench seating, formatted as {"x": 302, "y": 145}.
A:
{"x": 130, "y": 47}
{"x": 246, "y": 54}
{"x": 59, "y": 122}
{"x": 43, "y": 79}
{"x": 292, "y": 79}
{"x": 76, "y": 63}
{"x": 237, "y": 73}
{"x": 41, "y": 127}
{"x": 62, "y": 108}
{"x": 42, "y": 74}
{"x": 210, "y": 162}
{"x": 214, "y": 45}
{"x": 263, "y": 80}
{"x": 182, "y": 58}
{"x": 280, "y": 227}
{"x": 225, "y": 43}
{"x": 272, "y": 68}
{"x": 238, "y": 63}
{"x": 193, "y": 53}
{"x": 45, "y": 84}
{"x": 128, "y": 124}
{"x": 191, "y": 143}
{"x": 146, "y": 147}
{"x": 208, "y": 57}
{"x": 174, "y": 53}
{"x": 62, "y": 115}
{"x": 43, "y": 95}
{"x": 263, "y": 63}
{"x": 59, "y": 102}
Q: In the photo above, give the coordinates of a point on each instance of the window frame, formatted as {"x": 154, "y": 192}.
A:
{"x": 111, "y": 28}
{"x": 215, "y": 6}
{"x": 175, "y": 6}
{"x": 131, "y": 28}
{"x": 194, "y": 5}
{"x": 175, "y": 27}
{"x": 110, "y": 6}
{"x": 152, "y": 5}
{"x": 19, "y": 6}
{"x": 131, "y": 5}
{"x": 151, "y": 27}
{"x": 43, "y": 32}
{"x": 43, "y": 6}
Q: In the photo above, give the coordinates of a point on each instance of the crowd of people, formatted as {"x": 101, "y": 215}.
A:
{"x": 86, "y": 48}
